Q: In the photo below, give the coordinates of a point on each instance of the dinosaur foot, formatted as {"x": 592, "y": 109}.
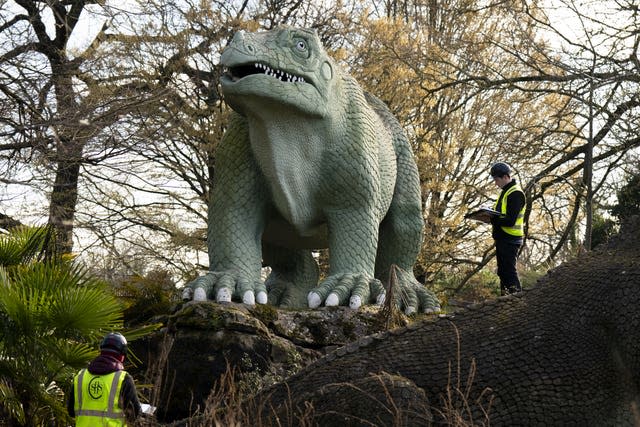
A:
{"x": 225, "y": 286}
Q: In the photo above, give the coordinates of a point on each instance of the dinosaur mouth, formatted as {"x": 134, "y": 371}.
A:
{"x": 238, "y": 72}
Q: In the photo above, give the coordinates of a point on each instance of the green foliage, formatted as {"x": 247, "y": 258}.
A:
{"x": 25, "y": 244}
{"x": 147, "y": 296}
{"x": 529, "y": 277}
{"x": 628, "y": 198}
{"x": 51, "y": 315}
{"x": 479, "y": 287}
{"x": 601, "y": 230}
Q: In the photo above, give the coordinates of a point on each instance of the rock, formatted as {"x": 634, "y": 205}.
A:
{"x": 261, "y": 345}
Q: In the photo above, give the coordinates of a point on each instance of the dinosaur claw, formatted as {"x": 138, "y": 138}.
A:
{"x": 249, "y": 298}
{"x": 261, "y": 298}
{"x": 314, "y": 300}
{"x": 199, "y": 294}
{"x": 433, "y": 310}
{"x": 223, "y": 295}
{"x": 355, "y": 302}
{"x": 332, "y": 300}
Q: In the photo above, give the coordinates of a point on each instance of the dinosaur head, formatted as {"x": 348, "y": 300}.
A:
{"x": 286, "y": 67}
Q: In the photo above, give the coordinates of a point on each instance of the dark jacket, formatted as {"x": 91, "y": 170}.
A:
{"x": 515, "y": 202}
{"x": 106, "y": 364}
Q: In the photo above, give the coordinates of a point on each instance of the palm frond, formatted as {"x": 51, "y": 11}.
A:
{"x": 68, "y": 353}
{"x": 139, "y": 332}
{"x": 25, "y": 244}
{"x": 62, "y": 298}
{"x": 86, "y": 312}
{"x": 10, "y": 402}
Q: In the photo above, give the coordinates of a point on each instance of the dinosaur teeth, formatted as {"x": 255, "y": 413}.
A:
{"x": 278, "y": 74}
{"x": 236, "y": 73}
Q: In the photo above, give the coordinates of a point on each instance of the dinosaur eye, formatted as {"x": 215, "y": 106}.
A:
{"x": 301, "y": 45}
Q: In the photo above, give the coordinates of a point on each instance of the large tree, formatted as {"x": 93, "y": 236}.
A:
{"x": 415, "y": 55}
{"x": 586, "y": 53}
{"x": 59, "y": 104}
{"x": 72, "y": 100}
{"x": 477, "y": 82}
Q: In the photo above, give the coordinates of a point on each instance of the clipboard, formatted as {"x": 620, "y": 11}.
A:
{"x": 482, "y": 214}
{"x": 147, "y": 409}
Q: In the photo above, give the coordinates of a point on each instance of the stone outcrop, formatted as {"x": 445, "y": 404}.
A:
{"x": 204, "y": 341}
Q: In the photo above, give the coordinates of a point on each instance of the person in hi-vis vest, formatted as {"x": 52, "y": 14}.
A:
{"x": 508, "y": 227}
{"x": 104, "y": 394}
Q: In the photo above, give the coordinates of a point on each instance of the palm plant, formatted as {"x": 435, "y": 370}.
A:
{"x": 52, "y": 313}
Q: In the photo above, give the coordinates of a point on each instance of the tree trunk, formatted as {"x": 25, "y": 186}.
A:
{"x": 62, "y": 207}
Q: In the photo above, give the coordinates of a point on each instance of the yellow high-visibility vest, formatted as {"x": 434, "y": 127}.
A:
{"x": 518, "y": 228}
{"x": 97, "y": 399}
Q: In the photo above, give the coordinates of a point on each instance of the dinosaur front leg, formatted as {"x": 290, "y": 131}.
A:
{"x": 237, "y": 215}
{"x": 353, "y": 239}
{"x": 235, "y": 256}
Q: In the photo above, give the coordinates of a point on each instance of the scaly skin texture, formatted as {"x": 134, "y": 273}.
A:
{"x": 564, "y": 353}
{"x": 308, "y": 161}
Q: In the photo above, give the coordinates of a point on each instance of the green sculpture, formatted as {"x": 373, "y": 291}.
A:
{"x": 309, "y": 160}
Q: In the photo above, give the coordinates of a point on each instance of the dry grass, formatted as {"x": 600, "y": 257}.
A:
{"x": 390, "y": 314}
{"x": 458, "y": 409}
{"x": 229, "y": 405}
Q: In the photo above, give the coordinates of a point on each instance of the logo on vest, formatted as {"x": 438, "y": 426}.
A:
{"x": 95, "y": 388}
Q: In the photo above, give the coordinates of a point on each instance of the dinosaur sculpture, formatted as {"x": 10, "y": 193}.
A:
{"x": 309, "y": 160}
{"x": 563, "y": 353}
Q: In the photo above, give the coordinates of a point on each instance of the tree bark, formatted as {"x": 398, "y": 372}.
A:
{"x": 62, "y": 207}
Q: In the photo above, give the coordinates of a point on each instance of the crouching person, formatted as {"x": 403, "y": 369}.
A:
{"x": 104, "y": 394}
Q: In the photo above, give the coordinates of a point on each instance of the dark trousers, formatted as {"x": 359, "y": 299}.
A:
{"x": 506, "y": 256}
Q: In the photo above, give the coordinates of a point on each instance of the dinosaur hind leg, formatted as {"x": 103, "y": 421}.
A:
{"x": 294, "y": 272}
{"x": 399, "y": 242}
{"x": 400, "y": 238}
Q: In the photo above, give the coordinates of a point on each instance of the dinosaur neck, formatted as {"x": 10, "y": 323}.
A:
{"x": 281, "y": 143}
